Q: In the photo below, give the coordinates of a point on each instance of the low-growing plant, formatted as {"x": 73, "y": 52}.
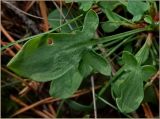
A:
{"x": 66, "y": 59}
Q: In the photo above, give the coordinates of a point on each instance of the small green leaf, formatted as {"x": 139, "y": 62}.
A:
{"x": 142, "y": 54}
{"x": 148, "y": 19}
{"x": 129, "y": 60}
{"x": 136, "y": 18}
{"x": 85, "y": 5}
{"x": 97, "y": 62}
{"x": 109, "y": 26}
{"x": 66, "y": 85}
{"x": 148, "y": 71}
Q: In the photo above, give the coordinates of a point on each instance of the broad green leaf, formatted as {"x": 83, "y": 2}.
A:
{"x": 57, "y": 17}
{"x": 137, "y": 8}
{"x": 148, "y": 71}
{"x": 130, "y": 92}
{"x": 66, "y": 85}
{"x": 128, "y": 88}
{"x": 142, "y": 54}
{"x": 109, "y": 26}
{"x": 41, "y": 61}
{"x": 97, "y": 62}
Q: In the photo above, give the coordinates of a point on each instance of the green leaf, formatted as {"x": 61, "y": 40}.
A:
{"x": 66, "y": 85}
{"x": 128, "y": 88}
{"x": 143, "y": 53}
{"x": 148, "y": 71}
{"x": 130, "y": 92}
{"x": 41, "y": 61}
{"x": 148, "y": 19}
{"x": 136, "y": 18}
{"x": 109, "y": 26}
{"x": 97, "y": 62}
{"x": 129, "y": 60}
{"x": 85, "y": 5}
{"x": 137, "y": 8}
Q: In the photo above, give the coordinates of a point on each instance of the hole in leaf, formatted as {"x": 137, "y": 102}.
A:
{"x": 50, "y": 41}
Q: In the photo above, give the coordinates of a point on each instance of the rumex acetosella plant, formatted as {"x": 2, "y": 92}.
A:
{"x": 71, "y": 57}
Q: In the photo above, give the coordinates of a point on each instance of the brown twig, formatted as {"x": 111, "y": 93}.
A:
{"x": 43, "y": 10}
{"x": 41, "y": 114}
{"x": 147, "y": 110}
{"x": 17, "y": 46}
